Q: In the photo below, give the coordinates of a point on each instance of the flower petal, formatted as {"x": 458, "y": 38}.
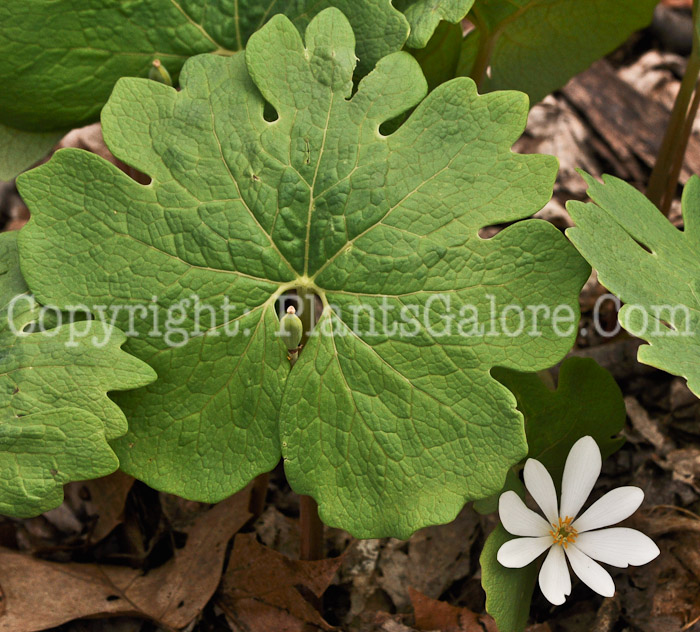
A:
{"x": 518, "y": 519}
{"x": 618, "y": 546}
{"x": 611, "y": 508}
{"x": 590, "y": 573}
{"x": 580, "y": 474}
{"x": 555, "y": 582}
{"x": 541, "y": 486}
{"x": 521, "y": 551}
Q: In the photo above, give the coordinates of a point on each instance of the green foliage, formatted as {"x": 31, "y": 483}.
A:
{"x": 425, "y": 15}
{"x": 95, "y": 42}
{"x": 56, "y": 416}
{"x": 537, "y": 45}
{"x": 587, "y": 401}
{"x": 60, "y": 60}
{"x": 20, "y": 150}
{"x": 389, "y": 433}
{"x": 653, "y": 267}
{"x": 508, "y": 590}
{"x": 439, "y": 59}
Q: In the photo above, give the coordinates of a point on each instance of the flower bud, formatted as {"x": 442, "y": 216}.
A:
{"x": 160, "y": 73}
{"x": 291, "y": 328}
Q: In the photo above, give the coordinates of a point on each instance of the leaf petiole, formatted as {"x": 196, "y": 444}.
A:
{"x": 664, "y": 176}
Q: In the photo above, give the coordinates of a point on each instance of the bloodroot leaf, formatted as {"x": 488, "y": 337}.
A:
{"x": 390, "y": 428}
{"x": 537, "y": 45}
{"x": 55, "y": 415}
{"x": 587, "y": 401}
{"x": 425, "y": 15}
{"x": 652, "y": 266}
{"x": 20, "y": 149}
{"x": 508, "y": 590}
{"x": 60, "y": 60}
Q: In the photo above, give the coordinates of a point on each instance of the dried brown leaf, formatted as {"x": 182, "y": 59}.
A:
{"x": 264, "y": 590}
{"x": 434, "y": 558}
{"x": 41, "y": 594}
{"x": 432, "y": 614}
{"x": 103, "y": 499}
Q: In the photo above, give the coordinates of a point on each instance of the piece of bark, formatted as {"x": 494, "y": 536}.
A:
{"x": 631, "y": 123}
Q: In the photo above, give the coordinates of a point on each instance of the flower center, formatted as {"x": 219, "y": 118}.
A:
{"x": 563, "y": 533}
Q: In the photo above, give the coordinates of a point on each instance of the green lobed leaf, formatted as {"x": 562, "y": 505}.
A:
{"x": 56, "y": 416}
{"x": 587, "y": 401}
{"x": 59, "y": 60}
{"x": 508, "y": 590}
{"x": 650, "y": 265}
{"x": 425, "y": 15}
{"x": 537, "y": 45}
{"x": 440, "y": 56}
{"x": 20, "y": 150}
{"x": 388, "y": 433}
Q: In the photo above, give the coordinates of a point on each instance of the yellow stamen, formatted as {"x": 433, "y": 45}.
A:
{"x": 563, "y": 534}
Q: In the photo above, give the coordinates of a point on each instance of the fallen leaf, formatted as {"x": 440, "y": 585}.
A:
{"x": 682, "y": 400}
{"x": 432, "y": 614}
{"x": 684, "y": 465}
{"x": 436, "y": 557}
{"x": 644, "y": 424}
{"x": 41, "y": 594}
{"x": 385, "y": 622}
{"x": 263, "y": 590}
{"x": 278, "y": 532}
{"x": 666, "y": 519}
{"x": 360, "y": 570}
{"x": 102, "y": 499}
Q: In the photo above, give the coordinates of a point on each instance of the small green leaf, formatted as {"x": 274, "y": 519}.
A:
{"x": 439, "y": 58}
{"x": 650, "y": 265}
{"x": 508, "y": 590}
{"x": 587, "y": 401}
{"x": 536, "y": 46}
{"x": 20, "y": 150}
{"x": 425, "y": 15}
{"x": 55, "y": 414}
{"x": 388, "y": 432}
{"x": 92, "y": 43}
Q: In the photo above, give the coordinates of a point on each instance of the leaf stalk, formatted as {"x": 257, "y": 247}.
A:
{"x": 311, "y": 543}
{"x": 484, "y": 52}
{"x": 664, "y": 177}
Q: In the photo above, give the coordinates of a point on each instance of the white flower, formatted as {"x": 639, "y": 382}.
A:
{"x": 567, "y": 536}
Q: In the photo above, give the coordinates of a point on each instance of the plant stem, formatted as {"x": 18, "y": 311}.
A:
{"x": 677, "y": 165}
{"x": 258, "y": 495}
{"x": 311, "y": 544}
{"x": 664, "y": 176}
{"x": 484, "y": 52}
